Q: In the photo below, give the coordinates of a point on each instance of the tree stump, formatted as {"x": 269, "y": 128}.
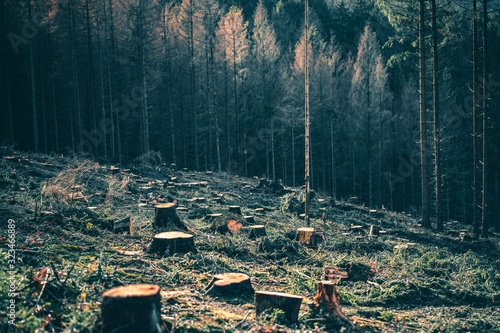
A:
{"x": 249, "y": 219}
{"x": 168, "y": 243}
{"x": 327, "y": 302}
{"x": 133, "y": 308}
{"x": 257, "y": 231}
{"x": 333, "y": 273}
{"x": 260, "y": 211}
{"x": 212, "y": 217}
{"x": 309, "y": 236}
{"x": 289, "y": 304}
{"x": 235, "y": 210}
{"x": 166, "y": 216}
{"x": 114, "y": 170}
{"x": 374, "y": 230}
{"x": 230, "y": 284}
{"x": 122, "y": 225}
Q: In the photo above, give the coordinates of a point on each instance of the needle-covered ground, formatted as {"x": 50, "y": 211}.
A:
{"x": 405, "y": 280}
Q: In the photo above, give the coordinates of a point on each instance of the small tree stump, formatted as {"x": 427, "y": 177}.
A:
{"x": 374, "y": 230}
{"x": 168, "y": 243}
{"x": 133, "y": 308}
{"x": 235, "y": 210}
{"x": 230, "y": 284}
{"x": 333, "y": 273}
{"x": 327, "y": 302}
{"x": 114, "y": 170}
{"x": 212, "y": 217}
{"x": 257, "y": 231}
{"x": 249, "y": 219}
{"x": 122, "y": 225}
{"x": 289, "y": 304}
{"x": 166, "y": 216}
{"x": 219, "y": 200}
{"x": 259, "y": 211}
{"x": 309, "y": 236}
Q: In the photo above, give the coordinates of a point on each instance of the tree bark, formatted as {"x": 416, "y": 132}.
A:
{"x": 166, "y": 216}
{"x": 484, "y": 216}
{"x": 423, "y": 121}
{"x": 306, "y": 66}
{"x": 327, "y": 302}
{"x": 230, "y": 284}
{"x": 437, "y": 152}
{"x": 475, "y": 135}
{"x": 168, "y": 243}
{"x": 132, "y": 308}
{"x": 257, "y": 231}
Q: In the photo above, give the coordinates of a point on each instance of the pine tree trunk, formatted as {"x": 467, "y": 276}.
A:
{"x": 475, "y": 134}
{"x": 306, "y": 66}
{"x": 423, "y": 121}
{"x": 91, "y": 84}
{"x": 437, "y": 153}
{"x": 33, "y": 88}
{"x": 484, "y": 230}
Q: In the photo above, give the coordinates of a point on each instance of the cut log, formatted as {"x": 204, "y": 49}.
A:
{"x": 189, "y": 185}
{"x": 235, "y": 210}
{"x": 133, "y": 308}
{"x": 166, "y": 216}
{"x": 249, "y": 219}
{"x": 289, "y": 304}
{"x": 333, "y": 273}
{"x": 327, "y": 302}
{"x": 257, "y": 231}
{"x": 122, "y": 225}
{"x": 310, "y": 237}
{"x": 230, "y": 284}
{"x": 168, "y": 243}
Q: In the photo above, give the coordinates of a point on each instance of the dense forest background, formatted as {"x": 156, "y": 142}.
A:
{"x": 219, "y": 85}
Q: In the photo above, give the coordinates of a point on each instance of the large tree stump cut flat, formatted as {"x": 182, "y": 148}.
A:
{"x": 166, "y": 216}
{"x": 257, "y": 231}
{"x": 290, "y": 304}
{"x": 230, "y": 284}
{"x": 309, "y": 236}
{"x": 133, "y": 308}
{"x": 327, "y": 302}
{"x": 168, "y": 243}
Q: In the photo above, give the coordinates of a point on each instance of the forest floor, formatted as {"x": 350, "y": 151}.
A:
{"x": 404, "y": 280}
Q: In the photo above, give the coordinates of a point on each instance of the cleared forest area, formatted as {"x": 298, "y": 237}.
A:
{"x": 405, "y": 279}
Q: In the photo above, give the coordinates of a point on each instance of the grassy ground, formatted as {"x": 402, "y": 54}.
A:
{"x": 66, "y": 258}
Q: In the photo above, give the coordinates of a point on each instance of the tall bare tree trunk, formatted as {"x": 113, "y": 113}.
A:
{"x": 91, "y": 85}
{"x": 334, "y": 173}
{"x": 423, "y": 121}
{"x": 306, "y": 107}
{"x": 484, "y": 230}
{"x": 33, "y": 88}
{"x": 437, "y": 153}
{"x": 475, "y": 143}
